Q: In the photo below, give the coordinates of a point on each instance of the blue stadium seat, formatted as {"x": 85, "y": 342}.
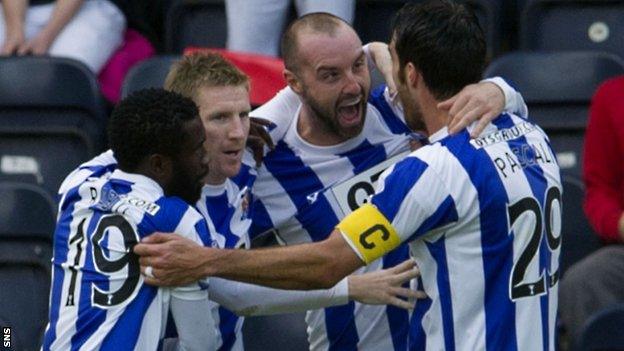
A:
{"x": 557, "y": 87}
{"x": 603, "y": 331}
{"x": 52, "y": 118}
{"x": 27, "y": 217}
{"x": 150, "y": 73}
{"x": 572, "y": 25}
{"x": 282, "y": 332}
{"x": 199, "y": 23}
{"x": 578, "y": 238}
{"x": 373, "y": 19}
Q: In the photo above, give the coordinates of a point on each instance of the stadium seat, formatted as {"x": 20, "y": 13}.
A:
{"x": 195, "y": 23}
{"x": 26, "y": 227}
{"x": 603, "y": 331}
{"x": 52, "y": 118}
{"x": 373, "y": 19}
{"x": 265, "y": 72}
{"x": 578, "y": 238}
{"x": 557, "y": 87}
{"x": 150, "y": 73}
{"x": 560, "y": 25}
{"x": 282, "y": 332}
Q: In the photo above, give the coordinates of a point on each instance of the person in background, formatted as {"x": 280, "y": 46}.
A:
{"x": 88, "y": 31}
{"x": 597, "y": 281}
{"x": 256, "y": 26}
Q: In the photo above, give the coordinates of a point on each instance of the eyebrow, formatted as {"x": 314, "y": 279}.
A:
{"x": 330, "y": 68}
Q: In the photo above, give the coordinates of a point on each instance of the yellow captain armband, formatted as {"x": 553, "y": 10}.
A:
{"x": 369, "y": 232}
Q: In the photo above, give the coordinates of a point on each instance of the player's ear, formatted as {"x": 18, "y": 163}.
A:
{"x": 412, "y": 75}
{"x": 161, "y": 167}
{"x": 293, "y": 81}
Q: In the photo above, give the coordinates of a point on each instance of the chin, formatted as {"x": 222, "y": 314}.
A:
{"x": 352, "y": 131}
{"x": 231, "y": 171}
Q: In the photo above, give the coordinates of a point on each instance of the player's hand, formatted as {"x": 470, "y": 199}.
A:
{"x": 384, "y": 287}
{"x": 174, "y": 260}
{"x": 483, "y": 101}
{"x": 383, "y": 61}
{"x": 258, "y": 138}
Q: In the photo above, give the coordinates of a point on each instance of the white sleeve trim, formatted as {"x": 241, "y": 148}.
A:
{"x": 254, "y": 300}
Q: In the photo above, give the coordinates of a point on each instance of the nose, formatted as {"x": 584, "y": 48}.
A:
{"x": 352, "y": 85}
{"x": 237, "y": 129}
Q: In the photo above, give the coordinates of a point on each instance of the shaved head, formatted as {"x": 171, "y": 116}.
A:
{"x": 312, "y": 23}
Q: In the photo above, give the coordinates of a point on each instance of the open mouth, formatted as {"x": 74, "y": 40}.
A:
{"x": 349, "y": 112}
{"x": 233, "y": 154}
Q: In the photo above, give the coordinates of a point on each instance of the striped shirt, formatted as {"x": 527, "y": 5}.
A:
{"x": 98, "y": 297}
{"x": 226, "y": 207}
{"x": 301, "y": 193}
{"x": 483, "y": 219}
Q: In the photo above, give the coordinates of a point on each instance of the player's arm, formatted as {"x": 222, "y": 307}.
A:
{"x": 378, "y": 56}
{"x": 383, "y": 287}
{"x": 362, "y": 237}
{"x": 193, "y": 318}
{"x": 483, "y": 101}
{"x": 177, "y": 260}
{"x": 189, "y": 304}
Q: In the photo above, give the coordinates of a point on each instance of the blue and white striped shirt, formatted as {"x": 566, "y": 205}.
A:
{"x": 98, "y": 296}
{"x": 303, "y": 190}
{"x": 226, "y": 207}
{"x": 483, "y": 219}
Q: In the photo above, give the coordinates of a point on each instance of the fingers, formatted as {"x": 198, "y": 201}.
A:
{"x": 446, "y": 104}
{"x": 8, "y": 49}
{"x": 255, "y": 144}
{"x": 153, "y": 260}
{"x": 145, "y": 250}
{"x": 409, "y": 293}
{"x": 400, "y": 303}
{"x": 464, "y": 118}
{"x": 152, "y": 281}
{"x": 403, "y": 266}
{"x": 157, "y": 238}
{"x": 390, "y": 83}
{"x": 261, "y": 121}
{"x": 406, "y": 276}
{"x": 258, "y": 130}
{"x": 482, "y": 124}
{"x": 25, "y": 48}
{"x": 458, "y": 104}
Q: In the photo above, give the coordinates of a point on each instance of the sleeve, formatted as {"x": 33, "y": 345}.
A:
{"x": 193, "y": 226}
{"x": 602, "y": 167}
{"x": 514, "y": 102}
{"x": 195, "y": 325}
{"x": 411, "y": 200}
{"x": 253, "y": 300}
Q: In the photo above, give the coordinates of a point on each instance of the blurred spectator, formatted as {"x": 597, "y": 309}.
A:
{"x": 598, "y": 280}
{"x": 147, "y": 17}
{"x": 257, "y": 26}
{"x": 88, "y": 31}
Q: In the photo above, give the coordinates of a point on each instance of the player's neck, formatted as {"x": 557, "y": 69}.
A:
{"x": 434, "y": 118}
